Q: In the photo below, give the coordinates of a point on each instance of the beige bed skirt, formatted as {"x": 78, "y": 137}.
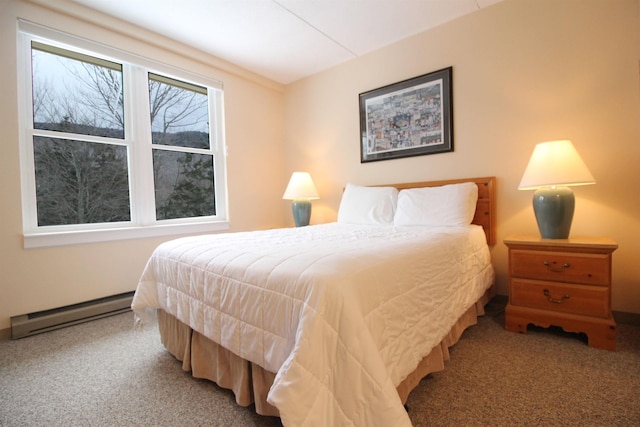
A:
{"x": 250, "y": 383}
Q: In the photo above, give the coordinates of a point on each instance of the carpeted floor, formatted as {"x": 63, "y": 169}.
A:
{"x": 104, "y": 373}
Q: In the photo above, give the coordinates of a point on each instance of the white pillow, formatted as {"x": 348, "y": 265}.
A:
{"x": 367, "y": 205}
{"x": 446, "y": 205}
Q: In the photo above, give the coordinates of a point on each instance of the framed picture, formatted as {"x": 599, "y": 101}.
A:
{"x": 413, "y": 117}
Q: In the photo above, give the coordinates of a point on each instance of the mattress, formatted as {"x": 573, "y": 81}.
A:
{"x": 341, "y": 313}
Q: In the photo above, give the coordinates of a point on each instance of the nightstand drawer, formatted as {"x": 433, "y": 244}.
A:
{"x": 591, "y": 269}
{"x": 568, "y": 298}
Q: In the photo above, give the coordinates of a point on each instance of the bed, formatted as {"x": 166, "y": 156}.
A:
{"x": 330, "y": 324}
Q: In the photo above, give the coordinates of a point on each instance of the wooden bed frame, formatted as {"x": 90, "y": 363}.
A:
{"x": 250, "y": 383}
{"x": 485, "y": 215}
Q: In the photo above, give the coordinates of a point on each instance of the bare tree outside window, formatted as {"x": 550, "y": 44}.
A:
{"x": 85, "y": 178}
{"x": 78, "y": 182}
{"x": 183, "y": 177}
{"x": 71, "y": 95}
{"x": 184, "y": 184}
{"x": 179, "y": 113}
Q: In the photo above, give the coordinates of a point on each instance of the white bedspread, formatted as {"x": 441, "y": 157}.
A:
{"x": 341, "y": 313}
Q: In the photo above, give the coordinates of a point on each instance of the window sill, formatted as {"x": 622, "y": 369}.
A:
{"x": 49, "y": 239}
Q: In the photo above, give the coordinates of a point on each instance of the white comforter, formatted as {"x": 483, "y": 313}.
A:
{"x": 341, "y": 313}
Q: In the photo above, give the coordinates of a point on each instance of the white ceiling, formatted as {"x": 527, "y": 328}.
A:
{"x": 285, "y": 40}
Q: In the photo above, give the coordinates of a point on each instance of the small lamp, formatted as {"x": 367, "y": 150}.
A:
{"x": 301, "y": 190}
{"x": 553, "y": 167}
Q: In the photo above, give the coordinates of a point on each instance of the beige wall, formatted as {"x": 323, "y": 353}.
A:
{"x": 524, "y": 71}
{"x": 38, "y": 279}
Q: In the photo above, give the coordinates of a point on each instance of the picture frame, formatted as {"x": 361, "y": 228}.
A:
{"x": 413, "y": 117}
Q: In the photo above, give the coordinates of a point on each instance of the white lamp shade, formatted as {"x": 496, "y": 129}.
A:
{"x": 555, "y": 163}
{"x": 300, "y": 187}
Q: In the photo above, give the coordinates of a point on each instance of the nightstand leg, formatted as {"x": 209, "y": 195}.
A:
{"x": 513, "y": 322}
{"x": 602, "y": 336}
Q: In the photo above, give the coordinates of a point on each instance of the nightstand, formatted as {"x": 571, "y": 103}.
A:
{"x": 562, "y": 282}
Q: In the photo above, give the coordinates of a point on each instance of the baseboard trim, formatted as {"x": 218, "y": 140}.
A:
{"x": 627, "y": 318}
{"x": 620, "y": 316}
{"x": 29, "y": 324}
{"x": 500, "y": 299}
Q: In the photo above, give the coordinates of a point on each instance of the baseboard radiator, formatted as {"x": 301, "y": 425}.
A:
{"x": 49, "y": 320}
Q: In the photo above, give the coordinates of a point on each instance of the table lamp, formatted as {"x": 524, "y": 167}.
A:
{"x": 554, "y": 167}
{"x": 301, "y": 190}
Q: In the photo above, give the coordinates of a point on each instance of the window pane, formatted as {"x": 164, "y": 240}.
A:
{"x": 183, "y": 184}
{"x": 179, "y": 113}
{"x": 71, "y": 95}
{"x": 80, "y": 182}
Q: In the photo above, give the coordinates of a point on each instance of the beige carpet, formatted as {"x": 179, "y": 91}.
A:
{"x": 104, "y": 373}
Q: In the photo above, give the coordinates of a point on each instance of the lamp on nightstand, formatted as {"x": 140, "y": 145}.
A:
{"x": 301, "y": 190}
{"x": 554, "y": 167}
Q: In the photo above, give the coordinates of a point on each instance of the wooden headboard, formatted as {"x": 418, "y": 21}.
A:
{"x": 485, "y": 215}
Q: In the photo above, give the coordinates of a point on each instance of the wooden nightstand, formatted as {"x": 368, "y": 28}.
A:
{"x": 562, "y": 282}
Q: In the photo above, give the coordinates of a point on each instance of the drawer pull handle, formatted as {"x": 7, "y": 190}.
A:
{"x": 555, "y": 300}
{"x": 551, "y": 267}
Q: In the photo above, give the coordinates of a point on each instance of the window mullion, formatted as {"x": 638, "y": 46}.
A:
{"x": 139, "y": 135}
{"x": 219, "y": 149}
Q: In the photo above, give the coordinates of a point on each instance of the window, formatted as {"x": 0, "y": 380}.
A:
{"x": 78, "y": 181}
{"x": 115, "y": 146}
{"x": 180, "y": 121}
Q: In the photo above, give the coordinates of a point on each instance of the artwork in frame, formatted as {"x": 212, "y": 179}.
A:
{"x": 413, "y": 117}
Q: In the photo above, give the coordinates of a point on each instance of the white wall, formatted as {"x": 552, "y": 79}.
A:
{"x": 524, "y": 71}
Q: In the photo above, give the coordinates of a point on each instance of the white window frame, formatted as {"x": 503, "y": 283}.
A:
{"x": 137, "y": 129}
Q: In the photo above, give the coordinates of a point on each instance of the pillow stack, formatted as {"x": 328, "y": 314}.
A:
{"x": 442, "y": 206}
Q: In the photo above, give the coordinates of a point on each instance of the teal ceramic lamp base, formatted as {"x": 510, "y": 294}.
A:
{"x": 554, "y": 207}
{"x": 301, "y": 212}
